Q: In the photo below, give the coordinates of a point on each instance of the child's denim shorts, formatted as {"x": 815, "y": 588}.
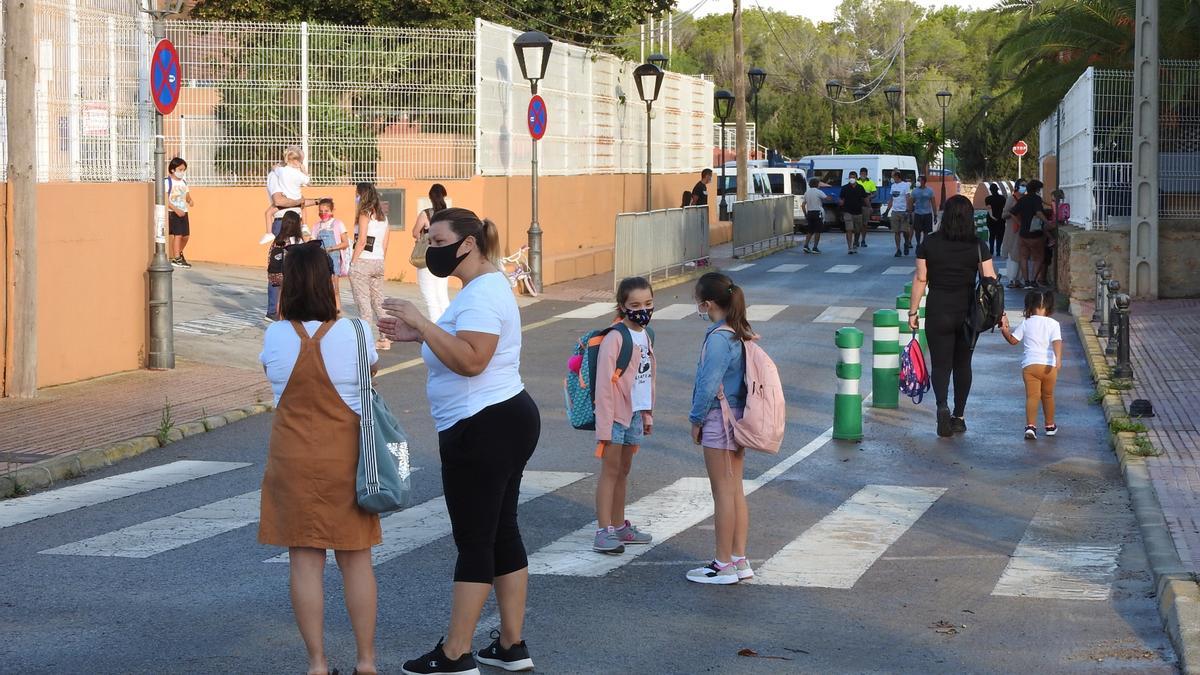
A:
{"x": 629, "y": 435}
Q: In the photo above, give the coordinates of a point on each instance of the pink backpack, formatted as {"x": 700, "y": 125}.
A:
{"x": 764, "y": 417}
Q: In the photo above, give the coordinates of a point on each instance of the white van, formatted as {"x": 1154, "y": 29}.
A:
{"x": 767, "y": 181}
{"x": 834, "y": 170}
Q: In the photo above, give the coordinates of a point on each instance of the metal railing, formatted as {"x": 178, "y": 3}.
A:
{"x": 762, "y": 224}
{"x": 659, "y": 244}
{"x": 1095, "y": 140}
{"x": 1111, "y": 315}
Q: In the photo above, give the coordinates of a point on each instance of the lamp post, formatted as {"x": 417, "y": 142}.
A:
{"x": 757, "y": 76}
{"x": 533, "y": 55}
{"x": 161, "y": 355}
{"x": 892, "y": 94}
{"x": 722, "y": 107}
{"x": 648, "y": 78}
{"x": 943, "y": 98}
{"x": 658, "y": 60}
{"x": 834, "y": 89}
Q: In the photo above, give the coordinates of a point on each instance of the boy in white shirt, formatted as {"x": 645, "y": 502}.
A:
{"x": 1042, "y": 338}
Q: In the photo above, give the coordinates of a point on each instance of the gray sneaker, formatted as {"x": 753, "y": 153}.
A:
{"x": 607, "y": 542}
{"x": 744, "y": 571}
{"x": 713, "y": 573}
{"x": 629, "y": 534}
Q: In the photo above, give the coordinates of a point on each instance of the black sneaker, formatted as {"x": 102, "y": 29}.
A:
{"x": 816, "y": 250}
{"x": 184, "y": 263}
{"x": 958, "y": 425}
{"x": 864, "y": 242}
{"x": 807, "y": 249}
{"x": 898, "y": 254}
{"x": 436, "y": 663}
{"x": 944, "y": 428}
{"x": 907, "y": 248}
{"x": 177, "y": 262}
{"x": 513, "y": 659}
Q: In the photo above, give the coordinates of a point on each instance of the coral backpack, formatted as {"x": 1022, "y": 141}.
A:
{"x": 765, "y": 415}
{"x": 914, "y": 376}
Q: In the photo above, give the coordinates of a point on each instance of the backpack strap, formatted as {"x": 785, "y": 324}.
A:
{"x": 625, "y": 354}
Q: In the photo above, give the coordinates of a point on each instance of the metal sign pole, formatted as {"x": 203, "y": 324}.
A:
{"x": 161, "y": 354}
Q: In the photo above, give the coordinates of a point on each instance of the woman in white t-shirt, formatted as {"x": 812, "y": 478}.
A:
{"x": 367, "y": 259}
{"x": 488, "y": 427}
{"x": 1042, "y": 338}
{"x": 435, "y": 291}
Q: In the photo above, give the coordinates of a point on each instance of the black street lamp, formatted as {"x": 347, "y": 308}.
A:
{"x": 658, "y": 60}
{"x": 533, "y": 54}
{"x": 722, "y": 107}
{"x": 943, "y": 98}
{"x": 757, "y": 77}
{"x": 648, "y": 78}
{"x": 834, "y": 89}
{"x": 892, "y": 94}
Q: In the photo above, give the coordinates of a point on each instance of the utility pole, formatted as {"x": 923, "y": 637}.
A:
{"x": 1143, "y": 236}
{"x": 739, "y": 102}
{"x": 20, "y": 69}
{"x": 904, "y": 75}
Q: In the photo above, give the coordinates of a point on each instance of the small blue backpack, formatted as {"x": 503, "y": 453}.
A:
{"x": 579, "y": 386}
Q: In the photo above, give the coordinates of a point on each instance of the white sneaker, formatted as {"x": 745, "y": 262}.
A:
{"x": 713, "y": 573}
{"x": 1052, "y": 430}
{"x": 1031, "y": 433}
{"x": 743, "y": 569}
{"x": 266, "y": 238}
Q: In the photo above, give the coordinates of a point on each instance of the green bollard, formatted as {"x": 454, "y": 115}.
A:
{"x": 903, "y": 303}
{"x": 847, "y": 404}
{"x": 885, "y": 359}
{"x": 921, "y": 326}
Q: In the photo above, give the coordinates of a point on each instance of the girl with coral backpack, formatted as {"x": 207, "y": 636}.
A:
{"x": 737, "y": 403}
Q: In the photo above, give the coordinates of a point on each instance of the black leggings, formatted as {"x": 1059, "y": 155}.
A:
{"x": 483, "y": 457}
{"x": 995, "y": 235}
{"x": 949, "y": 353}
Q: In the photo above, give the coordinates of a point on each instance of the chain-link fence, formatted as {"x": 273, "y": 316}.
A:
{"x": 1095, "y": 140}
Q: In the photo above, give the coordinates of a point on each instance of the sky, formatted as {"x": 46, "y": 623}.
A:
{"x": 817, "y": 10}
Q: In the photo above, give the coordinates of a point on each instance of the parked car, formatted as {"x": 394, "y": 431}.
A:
{"x": 834, "y": 170}
{"x": 765, "y": 182}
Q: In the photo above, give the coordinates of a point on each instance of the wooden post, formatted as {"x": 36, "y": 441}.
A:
{"x": 20, "y": 69}
{"x": 739, "y": 101}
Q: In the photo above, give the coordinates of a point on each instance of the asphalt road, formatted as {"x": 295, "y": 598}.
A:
{"x": 903, "y": 553}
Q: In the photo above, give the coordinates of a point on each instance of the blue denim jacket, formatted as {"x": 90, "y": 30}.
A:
{"x": 722, "y": 362}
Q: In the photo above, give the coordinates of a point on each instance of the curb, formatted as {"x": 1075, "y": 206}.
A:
{"x": 72, "y": 465}
{"x": 767, "y": 252}
{"x": 1176, "y": 587}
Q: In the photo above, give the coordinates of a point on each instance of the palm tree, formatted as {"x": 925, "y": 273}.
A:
{"x": 1055, "y": 41}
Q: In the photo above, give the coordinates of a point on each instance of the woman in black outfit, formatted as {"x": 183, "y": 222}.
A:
{"x": 995, "y": 219}
{"x": 948, "y": 262}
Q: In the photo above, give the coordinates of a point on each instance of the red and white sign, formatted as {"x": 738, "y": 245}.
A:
{"x": 1020, "y": 148}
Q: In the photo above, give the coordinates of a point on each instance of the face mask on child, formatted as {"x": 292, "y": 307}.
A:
{"x": 180, "y": 174}
{"x": 639, "y": 316}
{"x": 703, "y": 314}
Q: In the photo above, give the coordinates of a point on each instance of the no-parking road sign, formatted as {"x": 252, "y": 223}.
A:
{"x": 165, "y": 76}
{"x": 537, "y": 117}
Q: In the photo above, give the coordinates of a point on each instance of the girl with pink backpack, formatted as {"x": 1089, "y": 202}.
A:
{"x": 721, "y": 374}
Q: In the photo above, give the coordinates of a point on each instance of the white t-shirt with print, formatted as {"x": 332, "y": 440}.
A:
{"x": 642, "y": 395}
{"x": 339, "y": 351}
{"x": 900, "y": 196}
{"x": 177, "y": 191}
{"x": 1037, "y": 334}
{"x": 486, "y": 305}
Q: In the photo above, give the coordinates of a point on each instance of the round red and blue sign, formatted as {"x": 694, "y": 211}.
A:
{"x": 537, "y": 117}
{"x": 166, "y": 77}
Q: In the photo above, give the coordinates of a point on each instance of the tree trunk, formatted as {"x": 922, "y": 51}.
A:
{"x": 739, "y": 103}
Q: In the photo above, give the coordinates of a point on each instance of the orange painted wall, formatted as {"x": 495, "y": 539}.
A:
{"x": 94, "y": 244}
{"x": 577, "y": 214}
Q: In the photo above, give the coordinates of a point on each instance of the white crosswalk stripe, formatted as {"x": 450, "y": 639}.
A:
{"x": 843, "y": 269}
{"x": 675, "y": 312}
{"x": 171, "y": 532}
{"x": 763, "y": 312}
{"x": 739, "y": 268}
{"x": 664, "y": 513}
{"x": 840, "y": 315}
{"x": 840, "y": 548}
{"x": 428, "y": 521}
{"x": 900, "y": 270}
{"x": 592, "y": 311}
{"x": 220, "y": 324}
{"x": 61, "y": 500}
{"x": 1064, "y": 554}
{"x": 787, "y": 268}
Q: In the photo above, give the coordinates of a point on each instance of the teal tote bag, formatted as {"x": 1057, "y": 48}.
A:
{"x": 384, "y": 481}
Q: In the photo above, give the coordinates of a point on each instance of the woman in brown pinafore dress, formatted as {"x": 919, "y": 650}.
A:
{"x": 308, "y": 489}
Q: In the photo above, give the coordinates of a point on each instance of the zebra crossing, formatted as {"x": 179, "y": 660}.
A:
{"x": 791, "y": 268}
{"x": 220, "y": 324}
{"x": 755, "y": 313}
{"x": 1050, "y": 561}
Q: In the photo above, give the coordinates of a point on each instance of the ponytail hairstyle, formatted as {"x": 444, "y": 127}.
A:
{"x": 720, "y": 290}
{"x": 628, "y": 286}
{"x": 465, "y": 223}
{"x": 368, "y": 201}
{"x": 1048, "y": 301}
{"x": 1033, "y": 302}
{"x": 289, "y": 228}
{"x": 437, "y": 195}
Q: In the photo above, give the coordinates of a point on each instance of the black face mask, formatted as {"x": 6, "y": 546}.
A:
{"x": 441, "y": 261}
